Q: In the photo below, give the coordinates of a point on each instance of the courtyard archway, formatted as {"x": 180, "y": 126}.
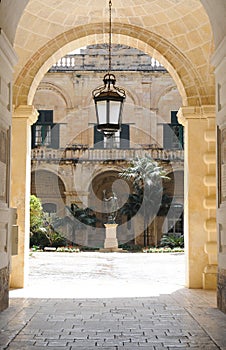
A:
{"x": 191, "y": 83}
{"x": 194, "y": 80}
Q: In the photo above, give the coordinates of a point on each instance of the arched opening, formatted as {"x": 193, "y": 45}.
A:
{"x": 22, "y": 88}
{"x": 50, "y": 189}
{"x": 91, "y": 38}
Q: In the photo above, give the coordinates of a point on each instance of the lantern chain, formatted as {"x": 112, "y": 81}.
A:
{"x": 110, "y": 28}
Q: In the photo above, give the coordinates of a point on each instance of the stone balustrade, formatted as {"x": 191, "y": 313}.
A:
{"x": 80, "y": 62}
{"x": 92, "y": 154}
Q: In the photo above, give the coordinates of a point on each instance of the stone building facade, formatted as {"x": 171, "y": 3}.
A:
{"x": 65, "y": 140}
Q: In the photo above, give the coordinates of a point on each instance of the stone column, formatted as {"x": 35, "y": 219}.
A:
{"x": 219, "y": 62}
{"x": 23, "y": 118}
{"x": 210, "y": 271}
{"x": 8, "y": 60}
{"x": 200, "y": 199}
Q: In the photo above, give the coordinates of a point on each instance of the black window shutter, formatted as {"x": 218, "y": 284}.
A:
{"x": 181, "y": 136}
{"x": 55, "y": 136}
{"x": 174, "y": 119}
{"x": 98, "y": 138}
{"x": 33, "y": 127}
{"x": 125, "y": 136}
{"x": 167, "y": 136}
{"x": 45, "y": 117}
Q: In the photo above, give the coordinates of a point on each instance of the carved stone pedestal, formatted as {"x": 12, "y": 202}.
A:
{"x": 111, "y": 242}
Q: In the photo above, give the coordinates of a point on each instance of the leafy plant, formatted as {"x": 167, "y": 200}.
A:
{"x": 146, "y": 176}
{"x": 172, "y": 241}
{"x": 84, "y": 216}
{"x": 36, "y": 215}
{"x": 163, "y": 250}
{"x": 42, "y": 226}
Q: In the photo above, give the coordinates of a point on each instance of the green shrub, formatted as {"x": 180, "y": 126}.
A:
{"x": 172, "y": 241}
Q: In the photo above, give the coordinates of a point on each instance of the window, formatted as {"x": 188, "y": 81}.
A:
{"x": 175, "y": 220}
{"x": 173, "y": 133}
{"x": 119, "y": 140}
{"x": 44, "y": 131}
{"x": 49, "y": 208}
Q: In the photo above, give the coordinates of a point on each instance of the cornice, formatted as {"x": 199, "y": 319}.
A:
{"x": 26, "y": 111}
{"x": 195, "y": 112}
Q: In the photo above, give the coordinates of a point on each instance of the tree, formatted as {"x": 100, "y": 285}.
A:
{"x": 146, "y": 176}
{"x": 36, "y": 214}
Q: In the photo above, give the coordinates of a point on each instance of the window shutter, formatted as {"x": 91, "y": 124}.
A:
{"x": 125, "y": 136}
{"x": 33, "y": 127}
{"x": 55, "y": 136}
{"x": 45, "y": 117}
{"x": 167, "y": 136}
{"x": 174, "y": 119}
{"x": 98, "y": 138}
{"x": 181, "y": 136}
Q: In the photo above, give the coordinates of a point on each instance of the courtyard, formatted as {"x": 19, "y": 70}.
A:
{"x": 114, "y": 301}
{"x": 102, "y": 275}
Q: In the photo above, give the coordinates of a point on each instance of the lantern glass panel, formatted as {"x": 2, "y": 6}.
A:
{"x": 101, "y": 112}
{"x": 115, "y": 112}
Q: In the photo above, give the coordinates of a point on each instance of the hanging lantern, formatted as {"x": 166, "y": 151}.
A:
{"x": 108, "y": 101}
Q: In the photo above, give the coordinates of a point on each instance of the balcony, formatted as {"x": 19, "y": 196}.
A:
{"x": 82, "y": 153}
{"x": 88, "y": 62}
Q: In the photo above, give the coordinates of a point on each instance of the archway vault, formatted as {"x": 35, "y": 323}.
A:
{"x": 195, "y": 91}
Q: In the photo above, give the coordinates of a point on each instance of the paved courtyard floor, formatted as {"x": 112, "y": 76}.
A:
{"x": 112, "y": 301}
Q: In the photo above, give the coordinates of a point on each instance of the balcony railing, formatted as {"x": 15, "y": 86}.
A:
{"x": 85, "y": 62}
{"x": 83, "y": 154}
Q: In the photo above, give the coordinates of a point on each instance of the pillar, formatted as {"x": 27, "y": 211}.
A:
{"x": 219, "y": 62}
{"x": 23, "y": 118}
{"x": 200, "y": 196}
{"x": 8, "y": 60}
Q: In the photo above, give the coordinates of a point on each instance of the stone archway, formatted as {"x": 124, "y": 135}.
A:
{"x": 196, "y": 281}
{"x": 185, "y": 75}
{"x": 10, "y": 15}
{"x": 190, "y": 78}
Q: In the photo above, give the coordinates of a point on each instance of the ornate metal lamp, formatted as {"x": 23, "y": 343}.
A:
{"x": 109, "y": 98}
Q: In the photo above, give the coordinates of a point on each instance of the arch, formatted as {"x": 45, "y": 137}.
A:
{"x": 161, "y": 93}
{"x": 105, "y": 182}
{"x": 49, "y": 187}
{"x": 185, "y": 75}
{"x": 59, "y": 91}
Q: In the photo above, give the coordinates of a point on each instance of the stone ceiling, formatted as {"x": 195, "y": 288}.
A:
{"x": 182, "y": 24}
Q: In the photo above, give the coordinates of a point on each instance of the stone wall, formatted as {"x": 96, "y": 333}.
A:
{"x": 221, "y": 290}
{"x": 4, "y": 288}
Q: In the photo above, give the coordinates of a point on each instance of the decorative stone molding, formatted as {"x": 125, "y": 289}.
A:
{"x": 28, "y": 112}
{"x": 199, "y": 123}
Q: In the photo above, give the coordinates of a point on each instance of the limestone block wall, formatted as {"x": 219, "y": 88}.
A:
{"x": 219, "y": 62}
{"x": 7, "y": 61}
{"x": 200, "y": 196}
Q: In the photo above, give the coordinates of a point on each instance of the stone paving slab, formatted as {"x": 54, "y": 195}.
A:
{"x": 110, "y": 301}
{"x": 113, "y": 324}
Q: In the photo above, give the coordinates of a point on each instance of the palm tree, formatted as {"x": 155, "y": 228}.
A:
{"x": 146, "y": 176}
